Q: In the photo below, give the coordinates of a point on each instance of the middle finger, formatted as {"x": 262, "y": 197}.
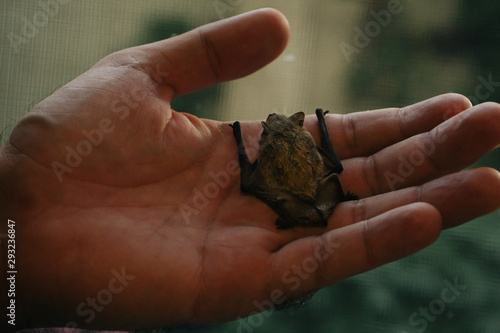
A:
{"x": 459, "y": 197}
{"x": 449, "y": 147}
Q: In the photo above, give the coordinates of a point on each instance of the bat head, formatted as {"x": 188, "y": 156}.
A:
{"x": 276, "y": 124}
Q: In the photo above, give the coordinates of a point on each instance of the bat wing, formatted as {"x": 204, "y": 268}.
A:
{"x": 330, "y": 158}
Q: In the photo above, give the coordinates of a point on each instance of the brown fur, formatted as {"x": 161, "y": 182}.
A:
{"x": 288, "y": 158}
{"x": 291, "y": 175}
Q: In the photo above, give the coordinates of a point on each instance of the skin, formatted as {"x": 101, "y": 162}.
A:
{"x": 120, "y": 207}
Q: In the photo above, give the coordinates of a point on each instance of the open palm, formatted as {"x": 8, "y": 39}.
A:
{"x": 129, "y": 214}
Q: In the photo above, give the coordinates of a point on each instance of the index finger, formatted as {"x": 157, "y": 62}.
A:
{"x": 364, "y": 133}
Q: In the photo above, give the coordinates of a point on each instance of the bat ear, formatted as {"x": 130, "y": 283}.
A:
{"x": 270, "y": 116}
{"x": 298, "y": 118}
{"x": 265, "y": 127}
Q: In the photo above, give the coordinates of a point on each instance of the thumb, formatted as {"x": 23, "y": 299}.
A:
{"x": 217, "y": 52}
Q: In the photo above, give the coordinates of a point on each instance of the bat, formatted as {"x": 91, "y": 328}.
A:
{"x": 293, "y": 176}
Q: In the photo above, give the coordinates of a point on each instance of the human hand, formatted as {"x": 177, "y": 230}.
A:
{"x": 148, "y": 227}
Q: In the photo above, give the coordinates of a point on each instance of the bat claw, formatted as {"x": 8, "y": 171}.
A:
{"x": 350, "y": 196}
{"x": 282, "y": 224}
{"x": 320, "y": 111}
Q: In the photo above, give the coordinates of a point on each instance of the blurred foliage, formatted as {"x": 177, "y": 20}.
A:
{"x": 200, "y": 103}
{"x": 405, "y": 63}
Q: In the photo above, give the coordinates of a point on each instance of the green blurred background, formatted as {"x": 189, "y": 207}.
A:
{"x": 424, "y": 48}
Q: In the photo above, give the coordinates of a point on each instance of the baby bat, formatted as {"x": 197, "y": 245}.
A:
{"x": 293, "y": 176}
